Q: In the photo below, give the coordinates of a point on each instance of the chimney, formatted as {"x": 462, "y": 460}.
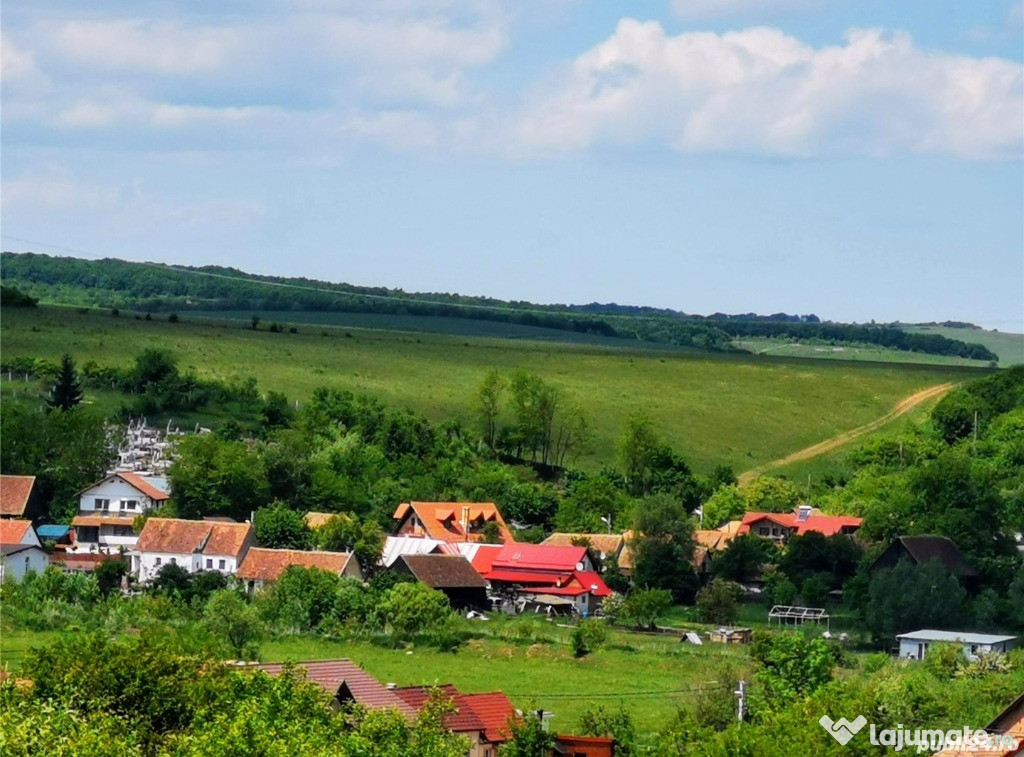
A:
{"x": 465, "y": 521}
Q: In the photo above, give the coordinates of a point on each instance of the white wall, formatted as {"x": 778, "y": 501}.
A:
{"x": 119, "y": 493}
{"x": 147, "y": 564}
{"x": 14, "y": 567}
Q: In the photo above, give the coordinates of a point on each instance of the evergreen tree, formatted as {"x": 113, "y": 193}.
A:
{"x": 67, "y": 390}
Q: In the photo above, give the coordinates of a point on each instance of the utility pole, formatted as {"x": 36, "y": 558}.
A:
{"x": 975, "y": 426}
{"x": 741, "y": 704}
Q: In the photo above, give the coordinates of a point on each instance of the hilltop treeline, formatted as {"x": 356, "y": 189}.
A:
{"x": 154, "y": 287}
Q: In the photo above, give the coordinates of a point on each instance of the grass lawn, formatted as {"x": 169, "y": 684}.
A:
{"x": 848, "y": 352}
{"x": 652, "y": 678}
{"x": 738, "y": 410}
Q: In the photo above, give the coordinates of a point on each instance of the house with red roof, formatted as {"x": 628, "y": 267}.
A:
{"x": 481, "y": 718}
{"x": 195, "y": 545}
{"x": 450, "y": 521}
{"x": 549, "y": 575}
{"x": 20, "y": 550}
{"x": 108, "y": 508}
{"x": 803, "y": 520}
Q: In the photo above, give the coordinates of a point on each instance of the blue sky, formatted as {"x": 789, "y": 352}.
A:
{"x": 858, "y": 160}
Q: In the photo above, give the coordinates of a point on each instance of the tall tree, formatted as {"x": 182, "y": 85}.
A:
{"x": 662, "y": 547}
{"x": 638, "y": 448}
{"x": 67, "y": 389}
{"x": 488, "y": 405}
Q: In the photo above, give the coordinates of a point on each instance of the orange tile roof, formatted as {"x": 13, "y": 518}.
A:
{"x": 493, "y": 710}
{"x": 177, "y": 536}
{"x": 261, "y": 564}
{"x": 443, "y": 520}
{"x": 13, "y": 531}
{"x": 829, "y": 525}
{"x": 14, "y": 494}
{"x": 609, "y": 544}
{"x": 157, "y": 495}
{"x": 102, "y": 520}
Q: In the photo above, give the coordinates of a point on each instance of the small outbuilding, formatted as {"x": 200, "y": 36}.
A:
{"x": 914, "y": 645}
{"x": 920, "y": 549}
{"x": 453, "y": 575}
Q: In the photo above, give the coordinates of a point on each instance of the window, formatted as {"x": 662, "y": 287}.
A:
{"x": 132, "y": 504}
{"x": 209, "y": 563}
{"x": 174, "y": 561}
{"x": 221, "y": 564}
{"x": 101, "y": 504}
{"x": 158, "y": 561}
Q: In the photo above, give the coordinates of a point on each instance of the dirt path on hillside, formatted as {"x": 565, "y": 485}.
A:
{"x": 905, "y": 406}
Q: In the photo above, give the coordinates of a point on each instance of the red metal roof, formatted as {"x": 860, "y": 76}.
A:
{"x": 14, "y": 494}
{"x": 829, "y": 525}
{"x": 517, "y": 556}
{"x": 364, "y": 688}
{"x": 523, "y": 576}
{"x": 589, "y": 579}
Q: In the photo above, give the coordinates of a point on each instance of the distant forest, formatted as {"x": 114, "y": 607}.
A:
{"x": 152, "y": 287}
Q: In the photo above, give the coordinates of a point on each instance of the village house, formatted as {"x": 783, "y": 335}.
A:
{"x": 346, "y": 683}
{"x": 194, "y": 545}
{"x": 481, "y": 718}
{"x": 1008, "y": 727}
{"x": 20, "y": 550}
{"x": 556, "y": 576}
{"x": 450, "y": 521}
{"x": 263, "y": 566}
{"x": 915, "y": 645}
{"x": 18, "y": 498}
{"x": 107, "y": 510}
{"x": 803, "y": 520}
{"x": 452, "y": 575}
{"x": 920, "y": 549}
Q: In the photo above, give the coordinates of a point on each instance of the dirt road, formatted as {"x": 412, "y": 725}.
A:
{"x": 905, "y": 406}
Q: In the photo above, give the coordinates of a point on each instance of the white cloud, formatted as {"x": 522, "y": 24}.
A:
{"x": 53, "y": 189}
{"x": 762, "y": 91}
{"x": 18, "y": 67}
{"x": 702, "y": 9}
{"x": 163, "y": 47}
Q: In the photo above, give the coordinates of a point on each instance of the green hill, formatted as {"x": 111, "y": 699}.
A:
{"x": 735, "y": 409}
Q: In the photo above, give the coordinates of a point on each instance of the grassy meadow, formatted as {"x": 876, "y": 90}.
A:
{"x": 739, "y": 410}
{"x": 1009, "y": 347}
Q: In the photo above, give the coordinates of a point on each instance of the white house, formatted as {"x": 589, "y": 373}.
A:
{"x": 20, "y": 550}
{"x": 195, "y": 545}
{"x": 107, "y": 510}
{"x": 914, "y": 645}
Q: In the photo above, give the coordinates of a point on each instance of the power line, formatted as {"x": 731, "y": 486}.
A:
{"x": 712, "y": 685}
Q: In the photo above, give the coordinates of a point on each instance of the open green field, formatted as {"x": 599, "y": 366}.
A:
{"x": 1009, "y": 347}
{"x": 847, "y": 352}
{"x": 651, "y": 676}
{"x": 738, "y": 410}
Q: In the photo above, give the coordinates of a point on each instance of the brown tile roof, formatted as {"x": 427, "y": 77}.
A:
{"x": 444, "y": 571}
{"x": 713, "y": 539}
{"x": 443, "y": 520}
{"x": 13, "y": 531}
{"x": 262, "y": 564}
{"x": 609, "y": 544}
{"x": 364, "y": 688}
{"x": 14, "y": 494}
{"x": 143, "y": 485}
{"x": 176, "y": 536}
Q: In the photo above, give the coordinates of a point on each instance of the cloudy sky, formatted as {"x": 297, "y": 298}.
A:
{"x": 853, "y": 158}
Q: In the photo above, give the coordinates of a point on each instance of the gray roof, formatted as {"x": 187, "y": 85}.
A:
{"x": 963, "y": 637}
